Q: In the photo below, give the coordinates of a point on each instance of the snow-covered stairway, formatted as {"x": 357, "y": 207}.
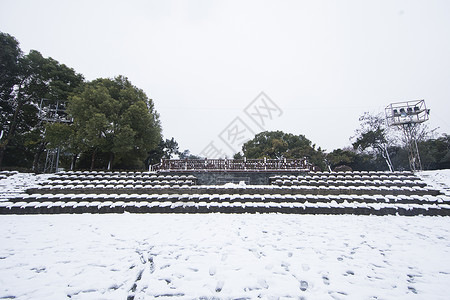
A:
{"x": 14, "y": 184}
{"x": 359, "y": 193}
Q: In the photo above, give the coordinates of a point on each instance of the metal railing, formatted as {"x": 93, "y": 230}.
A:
{"x": 233, "y": 165}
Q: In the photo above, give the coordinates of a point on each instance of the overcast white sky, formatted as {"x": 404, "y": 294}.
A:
{"x": 322, "y": 63}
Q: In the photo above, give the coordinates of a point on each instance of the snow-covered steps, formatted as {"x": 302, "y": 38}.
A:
{"x": 16, "y": 183}
{"x": 234, "y": 189}
{"x": 119, "y": 176}
{"x": 211, "y": 197}
{"x": 74, "y": 207}
{"x": 350, "y": 179}
{"x": 139, "y": 192}
{"x": 283, "y": 181}
{"x": 6, "y": 174}
{"x": 361, "y": 173}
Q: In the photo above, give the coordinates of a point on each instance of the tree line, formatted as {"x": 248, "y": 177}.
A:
{"x": 374, "y": 147}
{"x": 111, "y": 124}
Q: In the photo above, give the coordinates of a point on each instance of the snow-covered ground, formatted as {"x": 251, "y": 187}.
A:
{"x": 224, "y": 256}
{"x": 439, "y": 180}
{"x": 215, "y": 256}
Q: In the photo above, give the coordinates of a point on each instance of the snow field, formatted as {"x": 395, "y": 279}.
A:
{"x": 271, "y": 256}
{"x": 439, "y": 179}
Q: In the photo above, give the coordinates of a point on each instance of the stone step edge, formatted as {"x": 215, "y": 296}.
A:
{"x": 229, "y": 198}
{"x": 406, "y": 210}
{"x": 294, "y": 190}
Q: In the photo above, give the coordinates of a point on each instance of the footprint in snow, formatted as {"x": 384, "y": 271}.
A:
{"x": 219, "y": 286}
{"x": 212, "y": 270}
{"x": 263, "y": 283}
{"x": 114, "y": 287}
{"x": 412, "y": 278}
{"x": 305, "y": 267}
{"x": 349, "y": 272}
{"x": 285, "y": 265}
{"x": 255, "y": 252}
{"x": 39, "y": 269}
{"x": 413, "y": 290}
{"x": 304, "y": 285}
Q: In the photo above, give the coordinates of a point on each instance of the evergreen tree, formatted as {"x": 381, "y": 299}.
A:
{"x": 25, "y": 81}
{"x": 114, "y": 117}
{"x": 277, "y": 145}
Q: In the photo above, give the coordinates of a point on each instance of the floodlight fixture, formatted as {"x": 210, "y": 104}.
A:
{"x": 409, "y": 112}
{"x": 407, "y": 116}
{"x": 54, "y": 111}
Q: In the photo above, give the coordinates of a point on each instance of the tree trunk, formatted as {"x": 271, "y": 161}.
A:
{"x": 74, "y": 160}
{"x": 387, "y": 158}
{"x": 2, "y": 153}
{"x": 93, "y": 159}
{"x": 37, "y": 156}
{"x": 12, "y": 127}
{"x": 111, "y": 158}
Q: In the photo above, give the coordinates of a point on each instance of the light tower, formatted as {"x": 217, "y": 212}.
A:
{"x": 407, "y": 116}
{"x": 53, "y": 111}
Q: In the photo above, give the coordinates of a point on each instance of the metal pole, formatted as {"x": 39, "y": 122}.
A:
{"x": 57, "y": 160}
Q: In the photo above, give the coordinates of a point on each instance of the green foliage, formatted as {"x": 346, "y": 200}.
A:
{"x": 340, "y": 157}
{"x": 435, "y": 153}
{"x": 167, "y": 149}
{"x": 113, "y": 116}
{"x": 24, "y": 81}
{"x": 186, "y": 154}
{"x": 399, "y": 158}
{"x": 155, "y": 155}
{"x": 277, "y": 145}
{"x": 357, "y": 161}
{"x": 170, "y": 148}
{"x": 371, "y": 139}
{"x": 18, "y": 155}
{"x": 41, "y": 77}
{"x": 59, "y": 135}
{"x": 381, "y": 142}
{"x": 373, "y": 135}
{"x": 238, "y": 156}
{"x": 9, "y": 70}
